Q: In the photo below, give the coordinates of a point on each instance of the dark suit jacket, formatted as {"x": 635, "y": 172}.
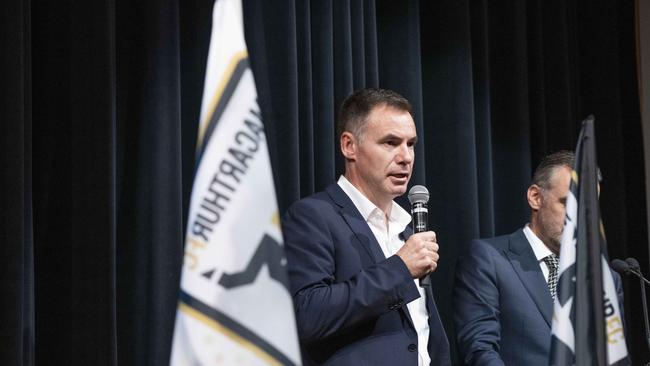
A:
{"x": 350, "y": 300}
{"x": 502, "y": 306}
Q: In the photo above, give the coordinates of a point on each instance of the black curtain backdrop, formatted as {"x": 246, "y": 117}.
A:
{"x": 100, "y": 103}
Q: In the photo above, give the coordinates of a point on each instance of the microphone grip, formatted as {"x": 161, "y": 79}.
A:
{"x": 420, "y": 214}
{"x": 420, "y": 218}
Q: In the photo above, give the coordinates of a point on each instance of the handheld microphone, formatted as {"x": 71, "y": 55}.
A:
{"x": 419, "y": 198}
{"x": 631, "y": 266}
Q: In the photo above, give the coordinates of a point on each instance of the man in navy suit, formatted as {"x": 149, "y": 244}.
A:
{"x": 353, "y": 265}
{"x": 503, "y": 303}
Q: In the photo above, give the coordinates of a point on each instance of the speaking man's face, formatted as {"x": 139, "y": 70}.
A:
{"x": 385, "y": 153}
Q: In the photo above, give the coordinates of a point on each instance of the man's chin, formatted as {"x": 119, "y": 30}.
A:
{"x": 555, "y": 245}
{"x": 398, "y": 190}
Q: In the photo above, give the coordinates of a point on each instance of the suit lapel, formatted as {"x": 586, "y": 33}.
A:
{"x": 526, "y": 266}
{"x": 404, "y": 235}
{"x": 361, "y": 230}
{"x": 356, "y": 222}
{"x": 437, "y": 335}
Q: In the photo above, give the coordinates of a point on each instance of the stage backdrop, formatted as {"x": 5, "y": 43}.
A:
{"x": 100, "y": 103}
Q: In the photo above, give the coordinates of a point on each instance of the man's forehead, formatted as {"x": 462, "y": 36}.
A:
{"x": 561, "y": 177}
{"x": 389, "y": 117}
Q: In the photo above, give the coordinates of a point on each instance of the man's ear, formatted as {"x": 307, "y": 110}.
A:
{"x": 534, "y": 196}
{"x": 349, "y": 146}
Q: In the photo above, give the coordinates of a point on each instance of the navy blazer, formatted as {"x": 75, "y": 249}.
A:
{"x": 502, "y": 305}
{"x": 350, "y": 301}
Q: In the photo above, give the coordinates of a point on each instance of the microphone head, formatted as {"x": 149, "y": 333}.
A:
{"x": 418, "y": 194}
{"x": 633, "y": 263}
{"x": 620, "y": 266}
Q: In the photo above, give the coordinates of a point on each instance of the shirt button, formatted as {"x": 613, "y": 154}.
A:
{"x": 412, "y": 347}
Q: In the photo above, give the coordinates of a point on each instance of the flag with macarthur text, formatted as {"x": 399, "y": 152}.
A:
{"x": 587, "y": 322}
{"x": 234, "y": 306}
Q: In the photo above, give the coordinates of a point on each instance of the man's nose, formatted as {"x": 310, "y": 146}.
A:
{"x": 404, "y": 154}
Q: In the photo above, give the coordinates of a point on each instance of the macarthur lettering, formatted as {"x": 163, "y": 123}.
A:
{"x": 229, "y": 173}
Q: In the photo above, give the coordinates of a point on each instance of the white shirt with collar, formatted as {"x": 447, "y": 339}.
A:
{"x": 539, "y": 248}
{"x": 390, "y": 242}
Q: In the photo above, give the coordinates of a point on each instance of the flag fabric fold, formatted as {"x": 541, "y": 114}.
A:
{"x": 587, "y": 324}
{"x": 234, "y": 305}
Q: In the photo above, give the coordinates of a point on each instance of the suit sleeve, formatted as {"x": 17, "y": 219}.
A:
{"x": 476, "y": 306}
{"x": 324, "y": 305}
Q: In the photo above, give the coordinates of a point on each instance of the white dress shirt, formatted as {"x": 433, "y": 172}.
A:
{"x": 539, "y": 248}
{"x": 388, "y": 238}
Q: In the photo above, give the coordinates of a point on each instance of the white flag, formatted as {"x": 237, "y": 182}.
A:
{"x": 234, "y": 305}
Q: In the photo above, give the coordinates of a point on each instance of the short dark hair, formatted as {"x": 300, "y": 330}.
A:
{"x": 357, "y": 106}
{"x": 546, "y": 168}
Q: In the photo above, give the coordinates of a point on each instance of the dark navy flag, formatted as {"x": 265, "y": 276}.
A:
{"x": 587, "y": 322}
